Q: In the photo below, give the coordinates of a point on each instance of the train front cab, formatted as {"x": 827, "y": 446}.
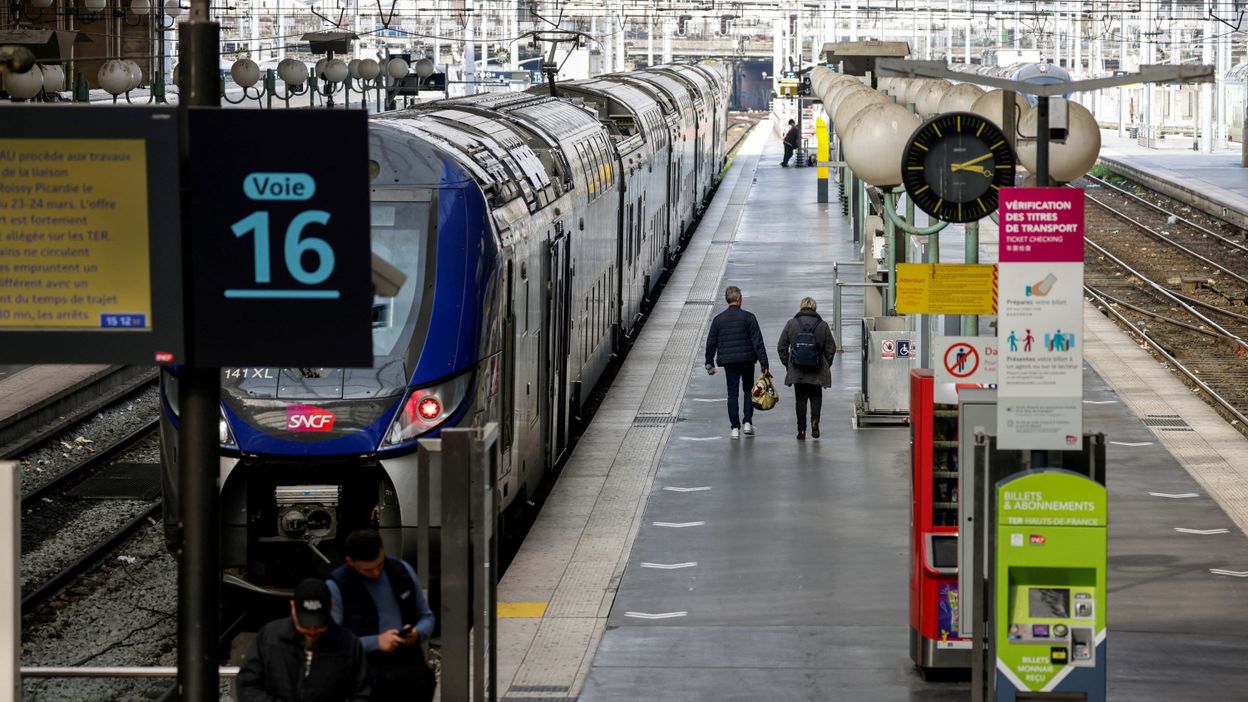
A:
{"x": 311, "y": 454}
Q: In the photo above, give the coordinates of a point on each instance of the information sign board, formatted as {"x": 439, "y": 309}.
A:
{"x": 946, "y": 288}
{"x": 89, "y": 236}
{"x": 280, "y": 238}
{"x": 1040, "y": 329}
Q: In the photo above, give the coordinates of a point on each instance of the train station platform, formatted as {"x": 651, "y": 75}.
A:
{"x": 1216, "y": 183}
{"x": 673, "y": 563}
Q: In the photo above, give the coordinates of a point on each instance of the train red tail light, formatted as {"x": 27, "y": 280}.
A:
{"x": 429, "y": 408}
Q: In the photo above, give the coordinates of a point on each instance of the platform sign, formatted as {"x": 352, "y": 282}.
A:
{"x": 89, "y": 236}
{"x": 1040, "y": 330}
{"x": 965, "y": 359}
{"x": 280, "y": 238}
{"x": 946, "y": 288}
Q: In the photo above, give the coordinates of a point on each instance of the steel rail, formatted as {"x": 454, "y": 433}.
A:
{"x": 93, "y": 461}
{"x": 1187, "y": 373}
{"x": 1152, "y": 205}
{"x": 1161, "y": 237}
{"x": 67, "y": 575}
{"x": 1191, "y": 327}
{"x": 1212, "y": 308}
{"x": 1166, "y": 293}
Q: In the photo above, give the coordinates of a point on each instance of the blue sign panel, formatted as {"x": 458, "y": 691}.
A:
{"x": 280, "y": 238}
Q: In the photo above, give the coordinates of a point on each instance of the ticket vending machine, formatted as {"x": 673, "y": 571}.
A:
{"x": 1049, "y": 597}
{"x": 935, "y": 640}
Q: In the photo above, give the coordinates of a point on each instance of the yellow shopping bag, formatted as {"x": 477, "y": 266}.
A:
{"x": 764, "y": 395}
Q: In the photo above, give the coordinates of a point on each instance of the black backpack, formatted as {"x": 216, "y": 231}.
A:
{"x": 804, "y": 349}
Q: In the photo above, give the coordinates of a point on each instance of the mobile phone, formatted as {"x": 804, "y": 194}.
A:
{"x": 406, "y": 631}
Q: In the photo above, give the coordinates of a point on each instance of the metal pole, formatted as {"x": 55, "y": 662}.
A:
{"x": 970, "y": 322}
{"x": 1042, "y": 142}
{"x": 455, "y": 567}
{"x": 836, "y": 311}
{"x": 10, "y": 587}
{"x": 199, "y": 568}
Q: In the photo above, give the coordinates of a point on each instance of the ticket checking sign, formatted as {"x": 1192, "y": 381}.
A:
{"x": 966, "y": 359}
{"x": 1040, "y": 328}
{"x": 946, "y": 288}
{"x": 89, "y": 236}
{"x": 280, "y": 239}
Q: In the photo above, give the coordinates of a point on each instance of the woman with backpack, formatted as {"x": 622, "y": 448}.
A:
{"x": 806, "y": 349}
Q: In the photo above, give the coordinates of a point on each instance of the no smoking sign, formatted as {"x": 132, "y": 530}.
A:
{"x": 966, "y": 359}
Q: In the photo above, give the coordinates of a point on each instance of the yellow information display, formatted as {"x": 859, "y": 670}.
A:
{"x": 946, "y": 288}
{"x": 74, "y": 235}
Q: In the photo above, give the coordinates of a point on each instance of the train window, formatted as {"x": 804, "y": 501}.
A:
{"x": 400, "y": 236}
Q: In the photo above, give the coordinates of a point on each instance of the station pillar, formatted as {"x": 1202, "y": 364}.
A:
{"x": 821, "y": 140}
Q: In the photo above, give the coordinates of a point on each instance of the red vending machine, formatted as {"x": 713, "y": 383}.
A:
{"x": 934, "y": 640}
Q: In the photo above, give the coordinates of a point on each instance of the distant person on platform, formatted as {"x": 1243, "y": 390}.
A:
{"x": 806, "y": 349}
{"x": 305, "y": 657}
{"x": 736, "y": 343}
{"x": 378, "y": 599}
{"x": 791, "y": 138}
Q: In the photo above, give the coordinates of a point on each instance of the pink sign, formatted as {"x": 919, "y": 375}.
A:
{"x": 1041, "y": 225}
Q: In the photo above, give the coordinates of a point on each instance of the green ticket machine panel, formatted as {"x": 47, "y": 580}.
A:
{"x": 1048, "y": 617}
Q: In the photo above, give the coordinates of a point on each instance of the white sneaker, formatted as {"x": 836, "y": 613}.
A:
{"x": 748, "y": 429}
{"x": 736, "y": 434}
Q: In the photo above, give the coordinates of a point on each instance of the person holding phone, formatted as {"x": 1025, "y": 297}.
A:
{"x": 378, "y": 598}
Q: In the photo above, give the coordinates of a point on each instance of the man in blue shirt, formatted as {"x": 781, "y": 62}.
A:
{"x": 379, "y": 600}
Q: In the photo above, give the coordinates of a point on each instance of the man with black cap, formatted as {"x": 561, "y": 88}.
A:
{"x": 306, "y": 657}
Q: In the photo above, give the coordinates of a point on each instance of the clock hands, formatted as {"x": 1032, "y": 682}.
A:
{"x": 969, "y": 166}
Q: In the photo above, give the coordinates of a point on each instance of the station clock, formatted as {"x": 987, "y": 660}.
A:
{"x": 955, "y": 165}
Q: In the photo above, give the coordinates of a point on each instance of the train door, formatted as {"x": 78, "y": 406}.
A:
{"x": 557, "y": 325}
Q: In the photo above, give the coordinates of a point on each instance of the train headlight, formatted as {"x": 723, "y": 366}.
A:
{"x": 226, "y": 436}
{"x": 423, "y": 409}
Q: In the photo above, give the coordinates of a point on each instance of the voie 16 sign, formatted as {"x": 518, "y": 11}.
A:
{"x": 280, "y": 239}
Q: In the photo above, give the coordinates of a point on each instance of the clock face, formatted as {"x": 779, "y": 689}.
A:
{"x": 955, "y": 165}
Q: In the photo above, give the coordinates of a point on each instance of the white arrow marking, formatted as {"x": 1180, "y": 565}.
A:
{"x": 674, "y": 566}
{"x": 678, "y": 525}
{"x": 1179, "y": 496}
{"x": 700, "y": 438}
{"x": 1202, "y": 532}
{"x": 661, "y": 615}
{"x": 1132, "y": 443}
{"x": 1231, "y": 573}
{"x": 700, "y": 488}
{"x": 1100, "y": 402}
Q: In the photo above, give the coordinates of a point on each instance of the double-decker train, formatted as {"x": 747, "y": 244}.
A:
{"x": 530, "y": 230}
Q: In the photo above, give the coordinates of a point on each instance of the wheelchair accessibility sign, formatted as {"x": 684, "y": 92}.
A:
{"x": 896, "y": 348}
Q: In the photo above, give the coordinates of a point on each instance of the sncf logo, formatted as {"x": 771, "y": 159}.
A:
{"x": 308, "y": 418}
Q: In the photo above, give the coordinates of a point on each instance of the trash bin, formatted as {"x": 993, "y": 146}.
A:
{"x": 1133, "y": 132}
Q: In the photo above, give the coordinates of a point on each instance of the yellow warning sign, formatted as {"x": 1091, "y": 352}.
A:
{"x": 946, "y": 288}
{"x": 74, "y": 235}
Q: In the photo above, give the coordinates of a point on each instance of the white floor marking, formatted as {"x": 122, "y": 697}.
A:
{"x": 1132, "y": 443}
{"x": 747, "y": 265}
{"x": 1175, "y": 496}
{"x": 700, "y": 488}
{"x": 1202, "y": 532}
{"x": 670, "y": 566}
{"x": 709, "y": 399}
{"x": 678, "y": 525}
{"x": 660, "y": 615}
{"x": 700, "y": 438}
{"x": 1231, "y": 573}
{"x": 1100, "y": 402}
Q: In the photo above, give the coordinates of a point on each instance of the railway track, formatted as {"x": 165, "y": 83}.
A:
{"x": 37, "y": 508}
{"x": 1178, "y": 285}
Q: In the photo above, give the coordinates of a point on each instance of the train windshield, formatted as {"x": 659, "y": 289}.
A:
{"x": 400, "y": 238}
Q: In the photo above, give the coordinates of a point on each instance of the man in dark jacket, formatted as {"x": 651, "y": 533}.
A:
{"x": 378, "y": 599}
{"x": 791, "y": 139}
{"x": 306, "y": 658}
{"x": 738, "y": 343}
{"x": 807, "y": 338}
